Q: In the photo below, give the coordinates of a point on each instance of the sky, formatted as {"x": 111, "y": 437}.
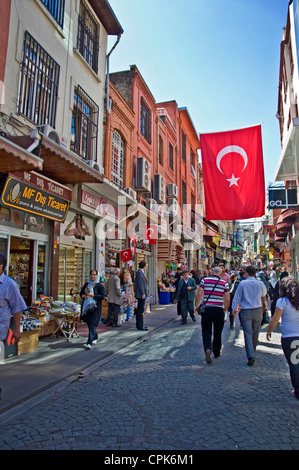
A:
{"x": 218, "y": 58}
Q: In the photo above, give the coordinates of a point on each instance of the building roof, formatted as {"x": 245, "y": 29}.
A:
{"x": 107, "y": 17}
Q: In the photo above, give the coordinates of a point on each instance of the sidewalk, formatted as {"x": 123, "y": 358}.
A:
{"x": 57, "y": 359}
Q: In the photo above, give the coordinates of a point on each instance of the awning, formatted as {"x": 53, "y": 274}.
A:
{"x": 15, "y": 158}
{"x": 170, "y": 251}
{"x": 289, "y": 158}
{"x": 64, "y": 166}
{"x": 288, "y": 215}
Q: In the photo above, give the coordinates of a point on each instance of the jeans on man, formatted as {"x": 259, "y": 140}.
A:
{"x": 251, "y": 320}
{"x": 113, "y": 312}
{"x": 187, "y": 306}
{"x": 213, "y": 316}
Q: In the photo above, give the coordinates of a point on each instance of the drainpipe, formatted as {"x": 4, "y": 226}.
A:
{"x": 108, "y": 109}
{"x": 36, "y": 136}
{"x": 107, "y": 120}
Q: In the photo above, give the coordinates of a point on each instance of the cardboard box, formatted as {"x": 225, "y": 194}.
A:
{"x": 28, "y": 342}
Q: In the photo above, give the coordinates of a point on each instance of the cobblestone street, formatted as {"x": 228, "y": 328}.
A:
{"x": 161, "y": 395}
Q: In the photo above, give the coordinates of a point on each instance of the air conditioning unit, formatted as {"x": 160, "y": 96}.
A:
{"x": 131, "y": 193}
{"x": 150, "y": 203}
{"x": 173, "y": 206}
{"x": 52, "y": 134}
{"x": 172, "y": 190}
{"x": 95, "y": 166}
{"x": 159, "y": 191}
{"x": 143, "y": 175}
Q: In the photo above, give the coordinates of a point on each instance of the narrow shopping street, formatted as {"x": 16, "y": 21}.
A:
{"x": 159, "y": 394}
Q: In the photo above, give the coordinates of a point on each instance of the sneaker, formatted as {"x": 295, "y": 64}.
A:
{"x": 87, "y": 346}
{"x": 208, "y": 356}
{"x": 250, "y": 361}
{"x": 95, "y": 341}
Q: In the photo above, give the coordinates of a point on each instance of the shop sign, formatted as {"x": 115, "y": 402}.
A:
{"x": 225, "y": 243}
{"x": 29, "y": 198}
{"x": 99, "y": 204}
{"x": 282, "y": 198}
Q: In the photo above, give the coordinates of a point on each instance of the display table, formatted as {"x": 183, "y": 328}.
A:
{"x": 66, "y": 323}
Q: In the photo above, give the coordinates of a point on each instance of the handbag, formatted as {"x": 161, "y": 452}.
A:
{"x": 202, "y": 308}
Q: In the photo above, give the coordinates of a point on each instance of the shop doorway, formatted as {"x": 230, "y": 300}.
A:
{"x": 20, "y": 265}
{"x": 74, "y": 268}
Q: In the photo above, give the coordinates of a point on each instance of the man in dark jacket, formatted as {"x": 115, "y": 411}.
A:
{"x": 140, "y": 294}
{"x": 186, "y": 295}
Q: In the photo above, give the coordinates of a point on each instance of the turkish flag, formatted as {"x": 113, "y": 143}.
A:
{"x": 233, "y": 174}
{"x": 133, "y": 243}
{"x": 150, "y": 234}
{"x": 126, "y": 255}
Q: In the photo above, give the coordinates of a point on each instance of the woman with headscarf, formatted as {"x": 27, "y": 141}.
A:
{"x": 92, "y": 294}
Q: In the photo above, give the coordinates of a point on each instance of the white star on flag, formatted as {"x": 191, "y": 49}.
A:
{"x": 233, "y": 180}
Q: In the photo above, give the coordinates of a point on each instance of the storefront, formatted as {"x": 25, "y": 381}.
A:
{"x": 76, "y": 244}
{"x": 29, "y": 205}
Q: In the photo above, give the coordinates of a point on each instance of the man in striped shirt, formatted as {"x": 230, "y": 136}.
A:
{"x": 216, "y": 299}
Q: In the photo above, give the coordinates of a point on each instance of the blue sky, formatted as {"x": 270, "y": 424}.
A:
{"x": 218, "y": 58}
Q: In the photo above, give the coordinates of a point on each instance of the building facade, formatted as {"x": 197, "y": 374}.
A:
{"x": 53, "y": 83}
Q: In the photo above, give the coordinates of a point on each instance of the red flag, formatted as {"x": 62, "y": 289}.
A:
{"x": 133, "y": 243}
{"x": 150, "y": 234}
{"x": 126, "y": 255}
{"x": 233, "y": 174}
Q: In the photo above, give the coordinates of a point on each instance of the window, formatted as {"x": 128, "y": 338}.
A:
{"x": 39, "y": 84}
{"x": 88, "y": 37}
{"x": 160, "y": 150}
{"x": 56, "y": 8}
{"x": 118, "y": 153}
{"x": 184, "y": 146}
{"x": 184, "y": 193}
{"x": 145, "y": 121}
{"x": 85, "y": 125}
{"x": 171, "y": 157}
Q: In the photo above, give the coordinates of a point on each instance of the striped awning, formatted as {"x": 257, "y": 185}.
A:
{"x": 170, "y": 251}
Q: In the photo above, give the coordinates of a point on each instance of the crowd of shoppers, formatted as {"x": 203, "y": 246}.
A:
{"x": 216, "y": 295}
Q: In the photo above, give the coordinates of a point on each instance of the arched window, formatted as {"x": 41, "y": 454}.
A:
{"x": 118, "y": 153}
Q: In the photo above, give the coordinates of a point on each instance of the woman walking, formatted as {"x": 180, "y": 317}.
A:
{"x": 287, "y": 309}
{"x": 92, "y": 294}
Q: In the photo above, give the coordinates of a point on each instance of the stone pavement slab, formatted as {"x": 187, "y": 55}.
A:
{"x": 57, "y": 359}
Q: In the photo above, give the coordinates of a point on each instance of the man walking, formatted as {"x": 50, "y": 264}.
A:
{"x": 186, "y": 295}
{"x": 11, "y": 304}
{"x": 140, "y": 294}
{"x": 250, "y": 298}
{"x": 114, "y": 297}
{"x": 216, "y": 299}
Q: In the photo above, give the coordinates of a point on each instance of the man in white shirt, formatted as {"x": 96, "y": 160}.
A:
{"x": 250, "y": 298}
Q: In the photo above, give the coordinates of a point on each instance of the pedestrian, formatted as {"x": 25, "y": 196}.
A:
{"x": 275, "y": 293}
{"x": 287, "y": 309}
{"x": 141, "y": 292}
{"x": 114, "y": 297}
{"x": 11, "y": 304}
{"x": 250, "y": 300}
{"x": 92, "y": 294}
{"x": 215, "y": 293}
{"x": 233, "y": 284}
{"x": 178, "y": 276}
{"x": 225, "y": 276}
{"x": 195, "y": 276}
{"x": 186, "y": 296}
